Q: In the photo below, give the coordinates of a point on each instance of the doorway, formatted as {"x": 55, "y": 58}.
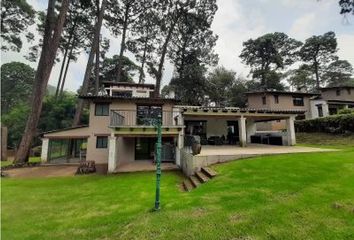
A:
{"x": 145, "y": 148}
{"x": 232, "y": 132}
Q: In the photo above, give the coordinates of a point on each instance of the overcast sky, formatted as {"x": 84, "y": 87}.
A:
{"x": 235, "y": 22}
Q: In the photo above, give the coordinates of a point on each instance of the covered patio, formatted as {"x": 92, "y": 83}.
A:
{"x": 231, "y": 126}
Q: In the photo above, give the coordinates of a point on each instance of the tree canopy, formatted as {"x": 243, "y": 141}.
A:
{"x": 268, "y": 54}
{"x": 318, "y": 52}
{"x": 338, "y": 73}
{"x": 16, "y": 17}
{"x": 16, "y": 85}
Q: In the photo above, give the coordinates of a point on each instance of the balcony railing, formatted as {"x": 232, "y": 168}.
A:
{"x": 121, "y": 118}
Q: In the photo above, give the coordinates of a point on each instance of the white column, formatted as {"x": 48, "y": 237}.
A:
{"x": 242, "y": 131}
{"x": 251, "y": 129}
{"x": 112, "y": 154}
{"x": 291, "y": 130}
{"x": 45, "y": 148}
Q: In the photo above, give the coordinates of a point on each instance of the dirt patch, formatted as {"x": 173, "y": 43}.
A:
{"x": 42, "y": 171}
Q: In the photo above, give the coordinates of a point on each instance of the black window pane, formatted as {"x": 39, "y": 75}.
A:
{"x": 298, "y": 101}
{"x": 126, "y": 94}
{"x": 102, "y": 109}
{"x": 276, "y": 98}
{"x": 101, "y": 142}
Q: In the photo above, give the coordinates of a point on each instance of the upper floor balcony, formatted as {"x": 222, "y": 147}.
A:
{"x": 148, "y": 117}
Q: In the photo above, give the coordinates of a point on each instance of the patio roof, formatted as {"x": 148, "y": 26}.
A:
{"x": 257, "y": 114}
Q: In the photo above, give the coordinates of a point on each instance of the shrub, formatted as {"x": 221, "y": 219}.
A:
{"x": 342, "y": 123}
{"x": 346, "y": 111}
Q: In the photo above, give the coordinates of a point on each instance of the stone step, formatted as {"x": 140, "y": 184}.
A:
{"x": 209, "y": 172}
{"x": 202, "y": 177}
{"x": 195, "y": 181}
{"x": 187, "y": 185}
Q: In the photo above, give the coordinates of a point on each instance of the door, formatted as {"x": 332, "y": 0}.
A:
{"x": 144, "y": 148}
{"x": 232, "y": 132}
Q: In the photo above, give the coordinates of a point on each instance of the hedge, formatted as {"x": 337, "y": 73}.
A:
{"x": 343, "y": 123}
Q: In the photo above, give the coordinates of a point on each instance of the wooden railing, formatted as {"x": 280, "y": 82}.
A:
{"x": 117, "y": 119}
{"x": 130, "y": 118}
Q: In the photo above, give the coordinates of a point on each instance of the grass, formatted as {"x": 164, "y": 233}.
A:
{"x": 9, "y": 162}
{"x": 325, "y": 140}
{"x": 290, "y": 196}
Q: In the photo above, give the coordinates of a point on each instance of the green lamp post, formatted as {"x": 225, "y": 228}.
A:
{"x": 158, "y": 164}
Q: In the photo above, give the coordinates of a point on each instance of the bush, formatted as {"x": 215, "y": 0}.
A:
{"x": 346, "y": 111}
{"x": 342, "y": 123}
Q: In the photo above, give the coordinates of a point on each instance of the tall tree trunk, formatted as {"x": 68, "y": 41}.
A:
{"x": 85, "y": 84}
{"x": 61, "y": 72}
{"x": 51, "y": 38}
{"x": 141, "y": 74}
{"x": 66, "y": 68}
{"x": 317, "y": 75}
{"x": 97, "y": 68}
{"x": 71, "y": 35}
{"x": 158, "y": 75}
{"x": 97, "y": 62}
{"x": 122, "y": 44}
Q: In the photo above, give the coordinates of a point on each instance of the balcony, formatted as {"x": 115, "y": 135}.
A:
{"x": 131, "y": 118}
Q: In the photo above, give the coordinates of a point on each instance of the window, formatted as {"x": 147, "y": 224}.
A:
{"x": 276, "y": 99}
{"x": 264, "y": 100}
{"x": 101, "y": 142}
{"x": 298, "y": 101}
{"x": 338, "y": 92}
{"x": 320, "y": 110}
{"x": 126, "y": 94}
{"x": 102, "y": 109}
{"x": 147, "y": 115}
{"x": 349, "y": 92}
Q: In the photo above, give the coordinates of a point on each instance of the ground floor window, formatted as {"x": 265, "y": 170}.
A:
{"x": 101, "y": 142}
{"x": 66, "y": 149}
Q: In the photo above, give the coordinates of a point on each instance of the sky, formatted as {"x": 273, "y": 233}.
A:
{"x": 235, "y": 22}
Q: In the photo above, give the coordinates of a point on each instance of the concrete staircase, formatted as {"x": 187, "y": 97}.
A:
{"x": 199, "y": 177}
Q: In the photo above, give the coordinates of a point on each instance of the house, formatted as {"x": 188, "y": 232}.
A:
{"x": 268, "y": 99}
{"x": 331, "y": 100}
{"x": 327, "y": 102}
{"x": 122, "y": 128}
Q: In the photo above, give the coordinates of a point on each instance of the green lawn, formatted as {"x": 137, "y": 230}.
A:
{"x": 9, "y": 162}
{"x": 325, "y": 140}
{"x": 296, "y": 196}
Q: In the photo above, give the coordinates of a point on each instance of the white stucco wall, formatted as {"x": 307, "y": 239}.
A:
{"x": 314, "y": 109}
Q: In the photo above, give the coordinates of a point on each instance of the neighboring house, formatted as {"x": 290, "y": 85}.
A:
{"x": 314, "y": 105}
{"x": 122, "y": 128}
{"x": 331, "y": 100}
{"x": 300, "y": 101}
